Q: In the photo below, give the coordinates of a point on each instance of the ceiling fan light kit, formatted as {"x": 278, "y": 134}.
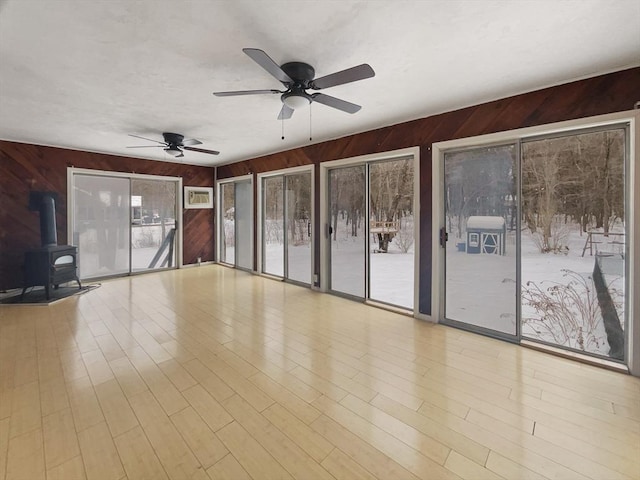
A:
{"x": 296, "y": 101}
{"x": 174, "y": 151}
{"x": 174, "y": 144}
{"x": 297, "y": 77}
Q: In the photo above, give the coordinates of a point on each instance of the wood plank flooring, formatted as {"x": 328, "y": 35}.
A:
{"x": 211, "y": 373}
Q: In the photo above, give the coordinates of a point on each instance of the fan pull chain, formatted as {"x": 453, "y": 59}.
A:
{"x": 310, "y": 122}
{"x": 282, "y": 128}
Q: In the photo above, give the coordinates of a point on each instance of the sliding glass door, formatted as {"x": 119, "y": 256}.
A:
{"x": 574, "y": 245}
{"x": 227, "y": 224}
{"x": 153, "y": 224}
{"x": 286, "y": 226}
{"x": 273, "y": 229}
{"x": 347, "y": 230}
{"x": 123, "y": 224}
{"x": 391, "y": 232}
{"x": 537, "y": 240}
{"x": 371, "y": 231}
{"x": 244, "y": 224}
{"x": 235, "y": 223}
{"x": 298, "y": 227}
{"x": 102, "y": 225}
{"x": 481, "y": 224}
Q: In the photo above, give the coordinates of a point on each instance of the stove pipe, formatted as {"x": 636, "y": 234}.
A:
{"x": 45, "y": 203}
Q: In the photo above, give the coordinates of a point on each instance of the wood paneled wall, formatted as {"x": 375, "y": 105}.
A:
{"x": 594, "y": 96}
{"x": 25, "y": 167}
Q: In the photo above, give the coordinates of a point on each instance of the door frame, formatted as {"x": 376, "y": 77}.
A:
{"x": 324, "y": 213}
{"x": 259, "y": 210}
{"x": 632, "y": 117}
{"x": 71, "y": 171}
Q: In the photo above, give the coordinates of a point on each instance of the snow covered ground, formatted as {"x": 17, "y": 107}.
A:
{"x": 299, "y": 261}
{"x": 391, "y": 274}
{"x": 481, "y": 290}
{"x": 391, "y": 278}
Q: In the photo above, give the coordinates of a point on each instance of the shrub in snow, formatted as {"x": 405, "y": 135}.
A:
{"x": 556, "y": 239}
{"x": 404, "y": 238}
{"x": 273, "y": 231}
{"x": 229, "y": 231}
{"x": 144, "y": 238}
{"x": 566, "y": 313}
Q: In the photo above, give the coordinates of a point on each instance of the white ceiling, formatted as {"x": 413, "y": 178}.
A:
{"x": 83, "y": 74}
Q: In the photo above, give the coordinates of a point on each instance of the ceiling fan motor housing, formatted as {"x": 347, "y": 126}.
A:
{"x": 300, "y": 72}
{"x": 173, "y": 138}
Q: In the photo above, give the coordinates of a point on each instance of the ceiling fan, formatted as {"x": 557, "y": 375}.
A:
{"x": 174, "y": 144}
{"x": 297, "y": 77}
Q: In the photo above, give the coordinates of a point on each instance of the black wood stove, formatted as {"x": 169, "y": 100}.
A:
{"x": 52, "y": 264}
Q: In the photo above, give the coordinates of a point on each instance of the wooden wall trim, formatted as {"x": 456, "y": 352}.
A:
{"x": 600, "y": 95}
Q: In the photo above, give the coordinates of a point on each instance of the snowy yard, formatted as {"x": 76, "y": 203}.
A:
{"x": 481, "y": 290}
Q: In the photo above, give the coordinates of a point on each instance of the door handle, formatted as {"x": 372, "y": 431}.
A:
{"x": 309, "y": 229}
{"x": 444, "y": 237}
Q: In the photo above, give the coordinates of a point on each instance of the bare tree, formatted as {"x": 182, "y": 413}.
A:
{"x": 540, "y": 189}
{"x": 573, "y": 178}
{"x": 391, "y": 195}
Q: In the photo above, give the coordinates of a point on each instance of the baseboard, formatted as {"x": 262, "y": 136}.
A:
{"x": 190, "y": 265}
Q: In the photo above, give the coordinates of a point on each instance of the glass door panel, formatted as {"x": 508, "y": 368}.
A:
{"x": 227, "y": 240}
{"x": 391, "y": 252}
{"x": 348, "y": 230}
{"x": 573, "y": 242}
{"x": 102, "y": 224}
{"x": 480, "y": 255}
{"x": 244, "y": 225}
{"x": 273, "y": 226}
{"x": 153, "y": 224}
{"x": 299, "y": 227}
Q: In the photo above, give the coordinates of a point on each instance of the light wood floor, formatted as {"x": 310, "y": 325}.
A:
{"x": 213, "y": 373}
